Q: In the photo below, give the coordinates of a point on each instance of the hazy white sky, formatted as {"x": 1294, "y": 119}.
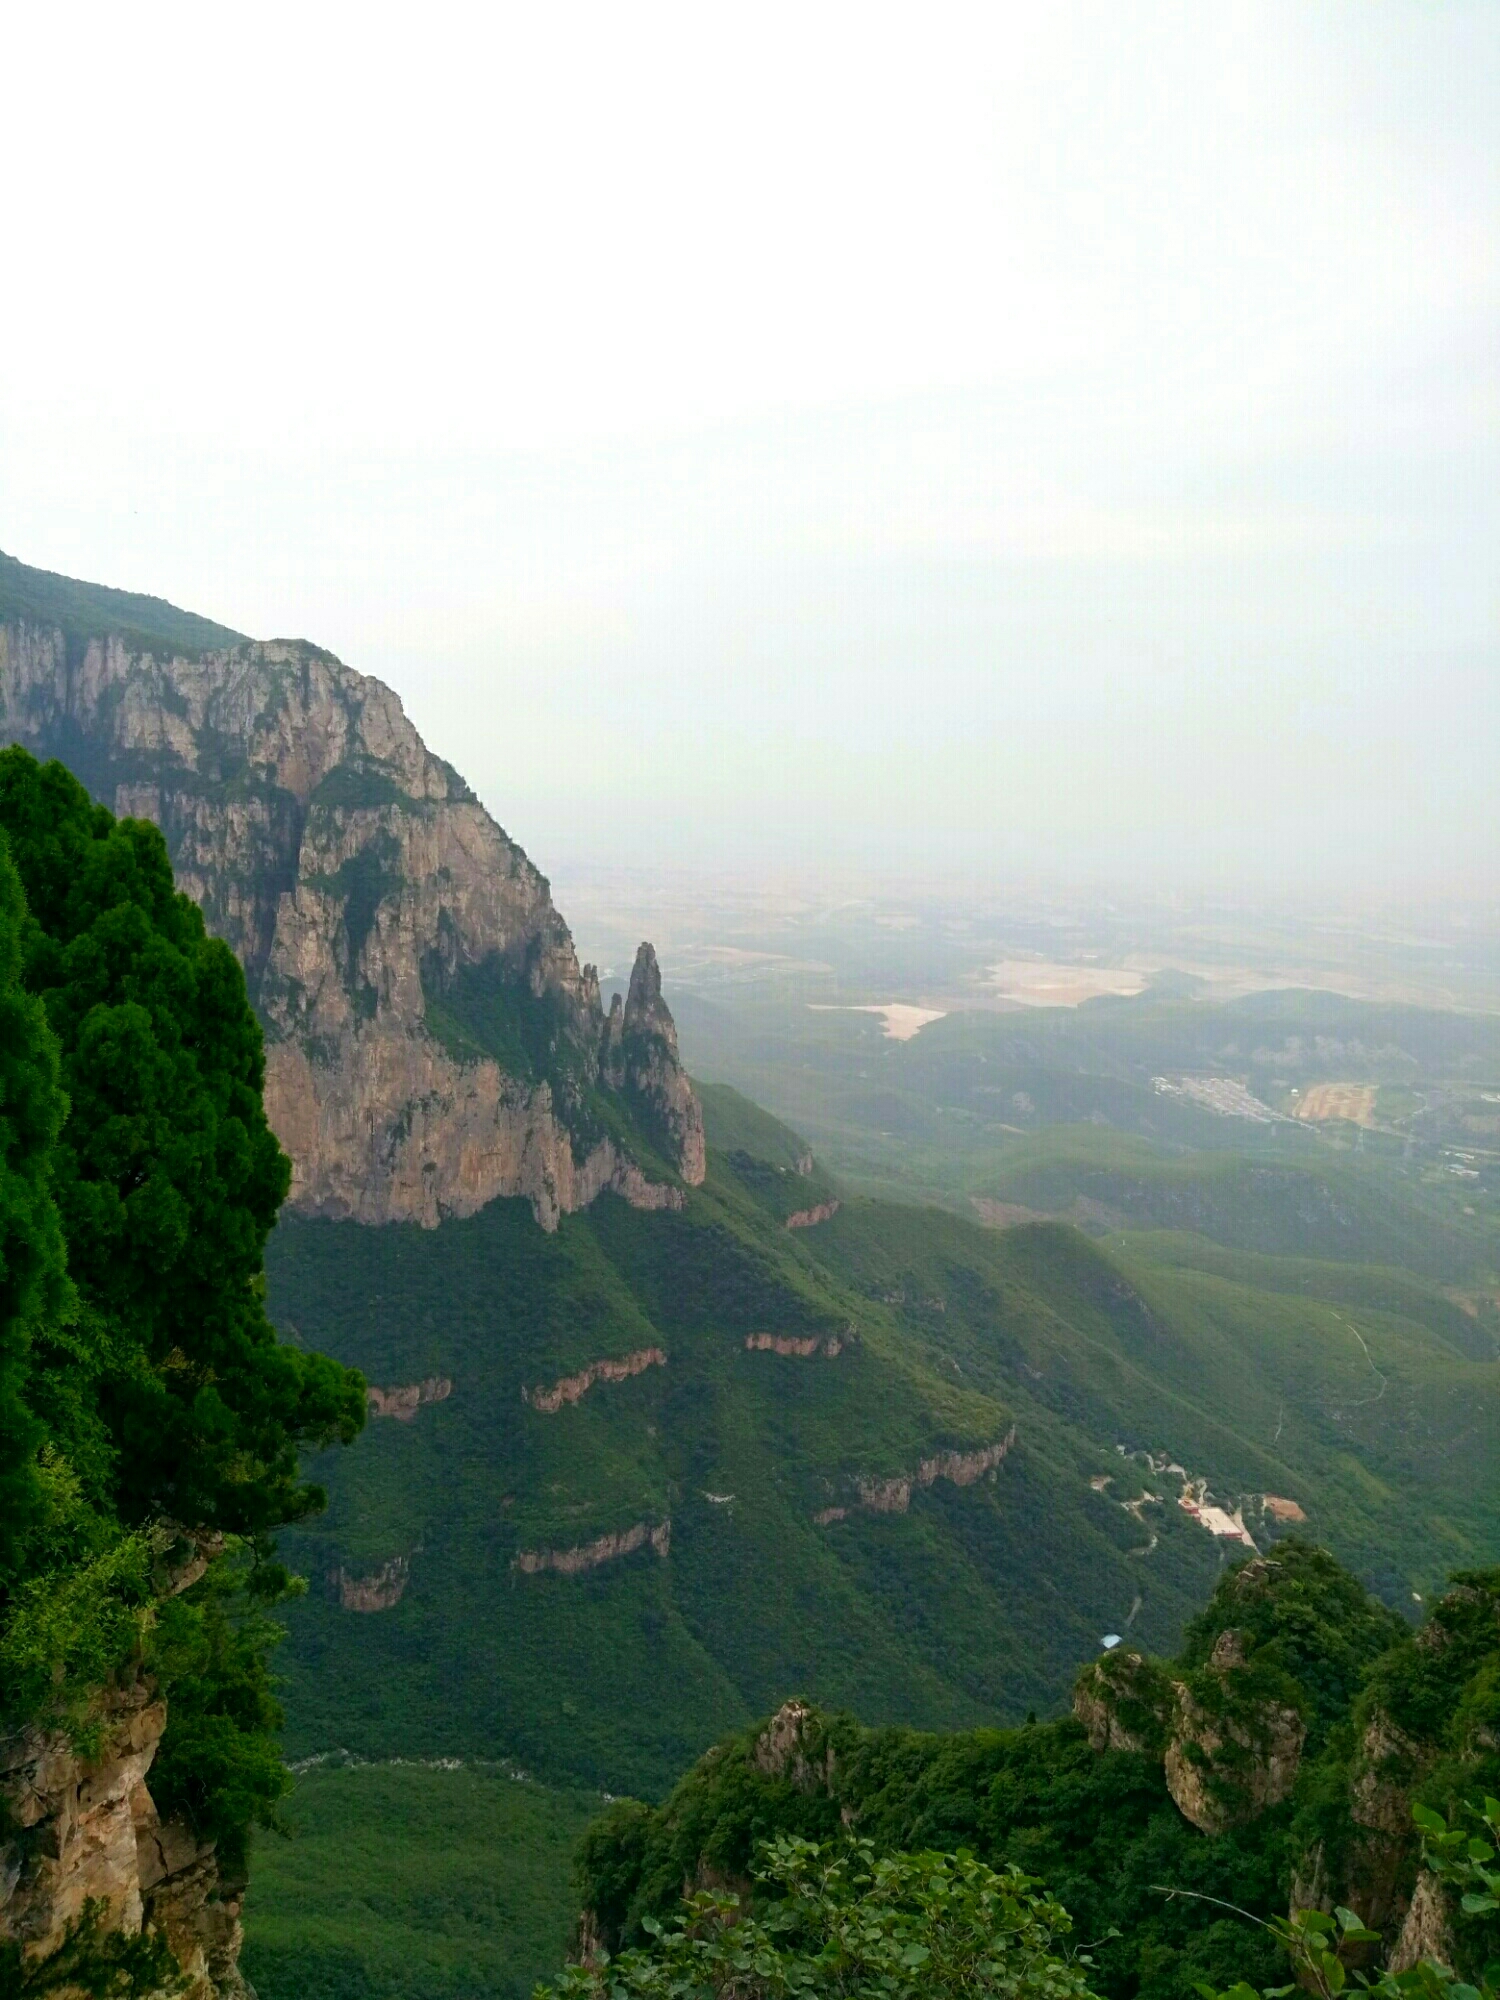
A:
{"x": 1058, "y": 437}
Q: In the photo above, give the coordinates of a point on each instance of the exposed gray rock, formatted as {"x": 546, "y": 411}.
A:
{"x": 1223, "y": 1768}
{"x": 86, "y": 1830}
{"x": 432, "y": 1041}
{"x": 1427, "y": 1932}
{"x": 1124, "y": 1701}
{"x": 791, "y": 1746}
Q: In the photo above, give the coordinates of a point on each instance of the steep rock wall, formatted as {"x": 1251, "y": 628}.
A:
{"x": 893, "y": 1496}
{"x": 432, "y": 1041}
{"x": 84, "y": 1829}
{"x": 380, "y": 1590}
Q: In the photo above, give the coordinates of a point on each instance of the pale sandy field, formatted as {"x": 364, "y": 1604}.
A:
{"x": 1352, "y": 1101}
{"x": 1042, "y": 983}
{"x": 901, "y": 1022}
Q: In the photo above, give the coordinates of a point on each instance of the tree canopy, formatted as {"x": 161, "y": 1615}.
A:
{"x": 148, "y": 1412}
{"x": 33, "y": 1288}
{"x": 840, "y": 1923}
{"x": 166, "y": 1386}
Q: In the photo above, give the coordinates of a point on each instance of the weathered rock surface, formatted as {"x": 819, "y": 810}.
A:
{"x": 550, "y": 1398}
{"x": 432, "y": 1041}
{"x": 1124, "y": 1702}
{"x": 640, "y": 1059}
{"x": 893, "y": 1496}
{"x": 791, "y": 1746}
{"x": 589, "y": 1555}
{"x": 404, "y": 1402}
{"x": 1427, "y": 1930}
{"x": 809, "y": 1218}
{"x": 1221, "y": 1769}
{"x": 380, "y": 1590}
{"x": 1386, "y": 1766}
{"x": 85, "y": 1829}
{"x": 830, "y": 1345}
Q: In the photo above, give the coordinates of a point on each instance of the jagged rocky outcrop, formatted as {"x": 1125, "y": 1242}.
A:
{"x": 962, "y": 1468}
{"x": 1429, "y": 1711}
{"x": 432, "y": 1040}
{"x": 549, "y": 1398}
{"x": 1230, "y": 1746}
{"x": 794, "y": 1745}
{"x": 1125, "y": 1702}
{"x": 1427, "y": 1928}
{"x": 640, "y": 1060}
{"x": 378, "y": 1591}
{"x": 830, "y": 1345}
{"x": 606, "y": 1548}
{"x": 893, "y": 1496}
{"x": 82, "y": 1828}
{"x": 1231, "y": 1754}
{"x": 809, "y": 1218}
{"x": 403, "y": 1402}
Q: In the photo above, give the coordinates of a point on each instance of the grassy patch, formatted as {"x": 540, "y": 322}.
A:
{"x": 404, "y": 1883}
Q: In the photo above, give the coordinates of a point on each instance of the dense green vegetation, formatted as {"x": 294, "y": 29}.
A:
{"x": 147, "y": 1408}
{"x": 1099, "y": 1824}
{"x": 598, "y": 1574}
{"x": 167, "y": 1180}
{"x": 836, "y": 1922}
{"x": 621, "y": 1674}
{"x": 973, "y": 1606}
{"x": 403, "y": 1881}
{"x": 839, "y": 1923}
{"x": 1259, "y": 1374}
{"x": 84, "y": 611}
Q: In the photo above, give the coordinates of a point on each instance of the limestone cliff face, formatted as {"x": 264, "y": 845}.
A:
{"x": 432, "y": 1041}
{"x": 549, "y": 1398}
{"x": 84, "y": 1829}
{"x": 589, "y": 1555}
{"x": 1223, "y": 1768}
{"x": 640, "y": 1059}
{"x": 403, "y": 1402}
{"x": 1125, "y": 1702}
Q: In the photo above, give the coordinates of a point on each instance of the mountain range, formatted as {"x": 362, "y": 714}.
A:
{"x": 667, "y": 1424}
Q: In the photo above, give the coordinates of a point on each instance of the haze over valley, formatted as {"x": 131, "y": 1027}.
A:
{"x": 676, "y": 1404}
{"x": 750, "y": 1005}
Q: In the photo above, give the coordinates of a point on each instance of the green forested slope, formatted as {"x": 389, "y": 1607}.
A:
{"x": 404, "y": 1881}
{"x": 1315, "y": 1204}
{"x": 618, "y": 1675}
{"x": 1371, "y": 1718}
{"x": 150, "y": 1420}
{"x": 1098, "y": 1112}
{"x": 975, "y": 1604}
{"x": 84, "y": 611}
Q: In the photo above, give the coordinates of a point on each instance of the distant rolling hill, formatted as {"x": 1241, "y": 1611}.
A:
{"x": 1158, "y": 1112}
